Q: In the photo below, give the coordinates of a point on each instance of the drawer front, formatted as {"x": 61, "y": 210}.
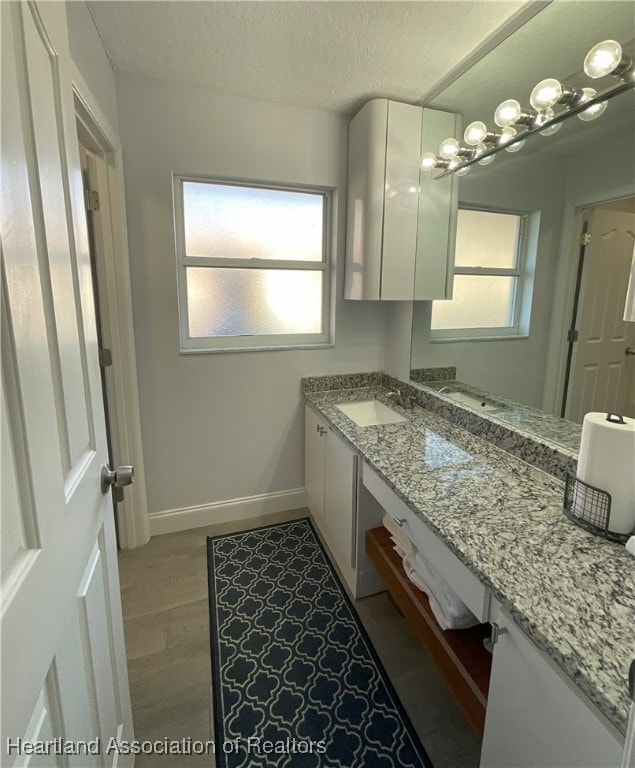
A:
{"x": 471, "y": 591}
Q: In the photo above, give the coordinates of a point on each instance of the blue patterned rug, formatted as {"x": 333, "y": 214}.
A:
{"x": 295, "y": 679}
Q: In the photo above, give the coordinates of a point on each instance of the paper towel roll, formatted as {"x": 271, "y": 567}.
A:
{"x": 607, "y": 461}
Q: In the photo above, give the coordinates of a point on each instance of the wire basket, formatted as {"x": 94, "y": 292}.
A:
{"x": 590, "y": 508}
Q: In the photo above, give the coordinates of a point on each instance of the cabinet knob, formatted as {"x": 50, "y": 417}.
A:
{"x": 399, "y": 520}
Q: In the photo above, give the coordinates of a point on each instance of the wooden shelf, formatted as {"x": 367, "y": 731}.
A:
{"x": 459, "y": 654}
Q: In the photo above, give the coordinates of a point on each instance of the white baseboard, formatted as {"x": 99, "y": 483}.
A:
{"x": 173, "y": 520}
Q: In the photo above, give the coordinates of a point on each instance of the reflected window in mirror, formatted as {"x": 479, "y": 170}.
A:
{"x": 491, "y": 267}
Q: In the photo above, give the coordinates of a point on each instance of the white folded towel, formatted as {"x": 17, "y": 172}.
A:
{"x": 448, "y": 608}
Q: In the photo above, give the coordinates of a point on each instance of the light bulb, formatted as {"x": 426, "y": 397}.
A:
{"x": 544, "y": 117}
{"x": 516, "y": 146}
{"x": 547, "y": 93}
{"x": 428, "y": 161}
{"x": 606, "y": 58}
{"x": 594, "y": 111}
{"x": 449, "y": 148}
{"x": 507, "y": 134}
{"x": 462, "y": 171}
{"x": 487, "y": 160}
{"x": 507, "y": 113}
{"x": 476, "y": 133}
{"x": 551, "y": 129}
{"x": 478, "y": 151}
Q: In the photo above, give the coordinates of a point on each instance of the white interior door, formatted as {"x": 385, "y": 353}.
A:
{"x": 63, "y": 661}
{"x": 600, "y": 369}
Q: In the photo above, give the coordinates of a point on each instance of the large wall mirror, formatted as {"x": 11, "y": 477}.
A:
{"x": 521, "y": 273}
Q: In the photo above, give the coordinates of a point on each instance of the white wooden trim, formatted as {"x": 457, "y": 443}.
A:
{"x": 133, "y": 524}
{"x": 564, "y": 292}
{"x": 518, "y": 19}
{"x": 184, "y": 518}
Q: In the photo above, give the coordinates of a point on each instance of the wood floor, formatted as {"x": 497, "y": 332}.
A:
{"x": 164, "y": 595}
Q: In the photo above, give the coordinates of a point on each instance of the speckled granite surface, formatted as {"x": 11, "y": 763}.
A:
{"x": 571, "y": 592}
{"x": 548, "y": 455}
{"x": 558, "y": 432}
{"x": 423, "y": 375}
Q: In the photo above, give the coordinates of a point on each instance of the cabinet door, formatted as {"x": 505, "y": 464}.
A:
{"x": 365, "y": 207}
{"x": 401, "y": 201}
{"x": 340, "y": 496}
{"x": 535, "y": 716}
{"x": 438, "y": 205}
{"x": 314, "y": 442}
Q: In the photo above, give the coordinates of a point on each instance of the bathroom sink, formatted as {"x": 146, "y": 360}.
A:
{"x": 477, "y": 403}
{"x": 369, "y": 413}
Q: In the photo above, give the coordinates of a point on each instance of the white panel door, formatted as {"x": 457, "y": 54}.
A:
{"x": 63, "y": 661}
{"x": 600, "y": 367}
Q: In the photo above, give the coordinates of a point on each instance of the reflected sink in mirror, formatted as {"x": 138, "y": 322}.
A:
{"x": 471, "y": 399}
{"x": 369, "y": 413}
{"x": 473, "y": 402}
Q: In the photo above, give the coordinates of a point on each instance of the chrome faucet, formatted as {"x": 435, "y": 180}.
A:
{"x": 405, "y": 402}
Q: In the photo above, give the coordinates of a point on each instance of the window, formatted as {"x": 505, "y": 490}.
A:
{"x": 252, "y": 260}
{"x": 490, "y": 271}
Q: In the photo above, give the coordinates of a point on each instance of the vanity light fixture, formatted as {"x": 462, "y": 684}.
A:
{"x": 607, "y": 58}
{"x": 516, "y": 121}
{"x": 550, "y": 92}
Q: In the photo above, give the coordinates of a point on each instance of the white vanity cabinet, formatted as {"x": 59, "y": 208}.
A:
{"x": 535, "y": 715}
{"x": 399, "y": 229}
{"x": 340, "y": 511}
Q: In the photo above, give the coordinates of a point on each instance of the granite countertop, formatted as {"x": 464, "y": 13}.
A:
{"x": 559, "y": 432}
{"x": 572, "y": 593}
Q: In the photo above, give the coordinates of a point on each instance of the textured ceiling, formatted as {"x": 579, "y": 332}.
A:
{"x": 320, "y": 54}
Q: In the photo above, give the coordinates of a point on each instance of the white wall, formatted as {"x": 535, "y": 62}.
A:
{"x": 606, "y": 167}
{"x": 220, "y": 427}
{"x": 90, "y": 58}
{"x": 511, "y": 368}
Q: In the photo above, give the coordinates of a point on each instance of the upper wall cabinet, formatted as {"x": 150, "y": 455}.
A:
{"x": 400, "y": 227}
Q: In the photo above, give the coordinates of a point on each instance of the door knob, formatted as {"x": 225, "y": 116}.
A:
{"x": 629, "y": 351}
{"x": 116, "y": 478}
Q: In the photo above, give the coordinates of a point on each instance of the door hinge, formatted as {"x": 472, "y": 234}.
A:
{"x": 105, "y": 358}
{"x": 585, "y": 238}
{"x": 91, "y": 198}
{"x": 572, "y": 335}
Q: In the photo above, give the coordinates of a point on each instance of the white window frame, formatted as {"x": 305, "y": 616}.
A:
{"x": 522, "y": 298}
{"x": 257, "y": 342}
